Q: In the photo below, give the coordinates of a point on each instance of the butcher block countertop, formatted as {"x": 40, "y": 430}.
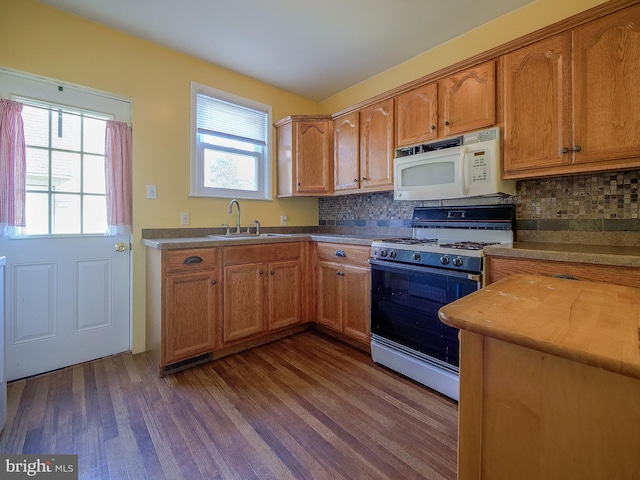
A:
{"x": 592, "y": 323}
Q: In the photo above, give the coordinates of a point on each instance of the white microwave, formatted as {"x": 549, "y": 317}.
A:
{"x": 457, "y": 167}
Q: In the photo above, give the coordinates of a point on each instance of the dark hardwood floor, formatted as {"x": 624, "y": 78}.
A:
{"x": 306, "y": 407}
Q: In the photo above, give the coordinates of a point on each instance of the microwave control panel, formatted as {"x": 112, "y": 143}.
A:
{"x": 479, "y": 167}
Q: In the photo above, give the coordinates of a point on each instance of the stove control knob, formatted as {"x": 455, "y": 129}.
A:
{"x": 457, "y": 262}
{"x": 416, "y": 257}
{"x": 444, "y": 260}
{"x": 383, "y": 253}
{"x": 393, "y": 254}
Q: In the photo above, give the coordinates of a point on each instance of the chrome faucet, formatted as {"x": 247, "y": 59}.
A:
{"x": 231, "y": 211}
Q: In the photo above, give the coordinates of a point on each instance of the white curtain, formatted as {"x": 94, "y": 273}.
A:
{"x": 13, "y": 167}
{"x": 118, "y": 162}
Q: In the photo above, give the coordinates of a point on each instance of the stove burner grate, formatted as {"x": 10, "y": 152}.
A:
{"x": 412, "y": 241}
{"x": 467, "y": 245}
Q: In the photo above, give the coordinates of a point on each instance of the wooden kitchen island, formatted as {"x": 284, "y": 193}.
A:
{"x": 549, "y": 380}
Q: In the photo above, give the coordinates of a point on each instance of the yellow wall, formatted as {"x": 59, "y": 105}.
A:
{"x": 527, "y": 19}
{"x": 44, "y": 41}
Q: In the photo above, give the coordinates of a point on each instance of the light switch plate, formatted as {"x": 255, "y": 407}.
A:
{"x": 152, "y": 192}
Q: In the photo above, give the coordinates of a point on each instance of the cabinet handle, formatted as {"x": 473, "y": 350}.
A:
{"x": 273, "y": 272}
{"x": 192, "y": 259}
{"x": 341, "y": 253}
{"x": 446, "y": 124}
{"x": 566, "y": 277}
{"x": 577, "y": 148}
{"x": 564, "y": 150}
{"x": 433, "y": 127}
{"x": 355, "y": 180}
{"x": 213, "y": 282}
{"x": 364, "y": 179}
{"x": 261, "y": 272}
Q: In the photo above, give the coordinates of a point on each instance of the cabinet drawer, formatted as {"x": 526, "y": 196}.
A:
{"x": 273, "y": 252}
{"x": 191, "y": 259}
{"x": 343, "y": 253}
{"x": 500, "y": 267}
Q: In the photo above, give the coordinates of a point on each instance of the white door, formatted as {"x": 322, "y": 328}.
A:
{"x": 67, "y": 302}
{"x": 67, "y": 290}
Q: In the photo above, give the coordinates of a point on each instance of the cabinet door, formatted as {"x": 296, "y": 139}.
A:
{"x": 329, "y": 295}
{"x": 356, "y": 300}
{"x": 245, "y": 301}
{"x": 314, "y": 153}
{"x": 376, "y": 146}
{"x": 285, "y": 300}
{"x": 606, "y": 90}
{"x": 417, "y": 115}
{"x": 346, "y": 152}
{"x": 192, "y": 302}
{"x": 536, "y": 92}
{"x": 467, "y": 100}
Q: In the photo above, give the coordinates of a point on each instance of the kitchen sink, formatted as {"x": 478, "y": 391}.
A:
{"x": 231, "y": 236}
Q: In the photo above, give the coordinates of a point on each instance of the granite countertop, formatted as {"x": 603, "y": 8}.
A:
{"x": 221, "y": 240}
{"x": 593, "y": 323}
{"x": 564, "y": 252}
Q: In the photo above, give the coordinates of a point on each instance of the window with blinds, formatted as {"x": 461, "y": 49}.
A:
{"x": 230, "y": 139}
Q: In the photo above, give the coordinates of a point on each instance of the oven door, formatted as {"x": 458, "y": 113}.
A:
{"x": 405, "y": 300}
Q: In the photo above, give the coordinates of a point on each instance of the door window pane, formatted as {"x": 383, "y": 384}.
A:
{"x": 93, "y": 178}
{"x": 65, "y": 129}
{"x": 37, "y": 213}
{"x": 94, "y": 213}
{"x": 93, "y": 134}
{"x": 65, "y": 213}
{"x": 65, "y": 170}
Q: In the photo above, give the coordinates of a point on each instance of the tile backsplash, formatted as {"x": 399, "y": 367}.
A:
{"x": 593, "y": 209}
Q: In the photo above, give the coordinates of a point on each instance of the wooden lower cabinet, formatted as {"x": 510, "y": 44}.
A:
{"x": 183, "y": 305}
{"x": 343, "y": 282}
{"x": 528, "y": 415}
{"x": 263, "y": 287}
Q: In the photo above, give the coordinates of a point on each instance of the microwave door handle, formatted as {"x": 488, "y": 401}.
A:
{"x": 463, "y": 170}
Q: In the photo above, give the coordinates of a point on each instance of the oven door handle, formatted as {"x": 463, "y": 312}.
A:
{"x": 476, "y": 277}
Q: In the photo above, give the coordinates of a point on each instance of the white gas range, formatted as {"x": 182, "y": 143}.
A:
{"x": 412, "y": 278}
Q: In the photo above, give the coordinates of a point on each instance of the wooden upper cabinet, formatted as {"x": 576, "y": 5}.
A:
{"x": 377, "y": 146}
{"x": 346, "y": 153}
{"x": 417, "y": 115}
{"x": 537, "y": 114}
{"x": 305, "y": 155}
{"x": 606, "y": 89}
{"x": 572, "y": 102}
{"x": 467, "y": 100}
{"x": 456, "y": 104}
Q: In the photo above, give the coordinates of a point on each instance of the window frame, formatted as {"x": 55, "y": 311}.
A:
{"x": 196, "y": 180}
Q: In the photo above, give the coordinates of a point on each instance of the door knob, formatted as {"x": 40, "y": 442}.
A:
{"x": 120, "y": 247}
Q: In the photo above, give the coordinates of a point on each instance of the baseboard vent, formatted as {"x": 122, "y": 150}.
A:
{"x": 191, "y": 362}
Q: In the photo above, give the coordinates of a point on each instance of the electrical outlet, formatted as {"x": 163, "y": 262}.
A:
{"x": 152, "y": 192}
{"x": 283, "y": 220}
{"x": 184, "y": 218}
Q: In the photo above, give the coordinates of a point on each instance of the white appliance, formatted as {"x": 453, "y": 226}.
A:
{"x": 412, "y": 278}
{"x": 456, "y": 167}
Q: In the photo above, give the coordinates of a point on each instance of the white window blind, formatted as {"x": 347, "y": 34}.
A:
{"x": 232, "y": 121}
